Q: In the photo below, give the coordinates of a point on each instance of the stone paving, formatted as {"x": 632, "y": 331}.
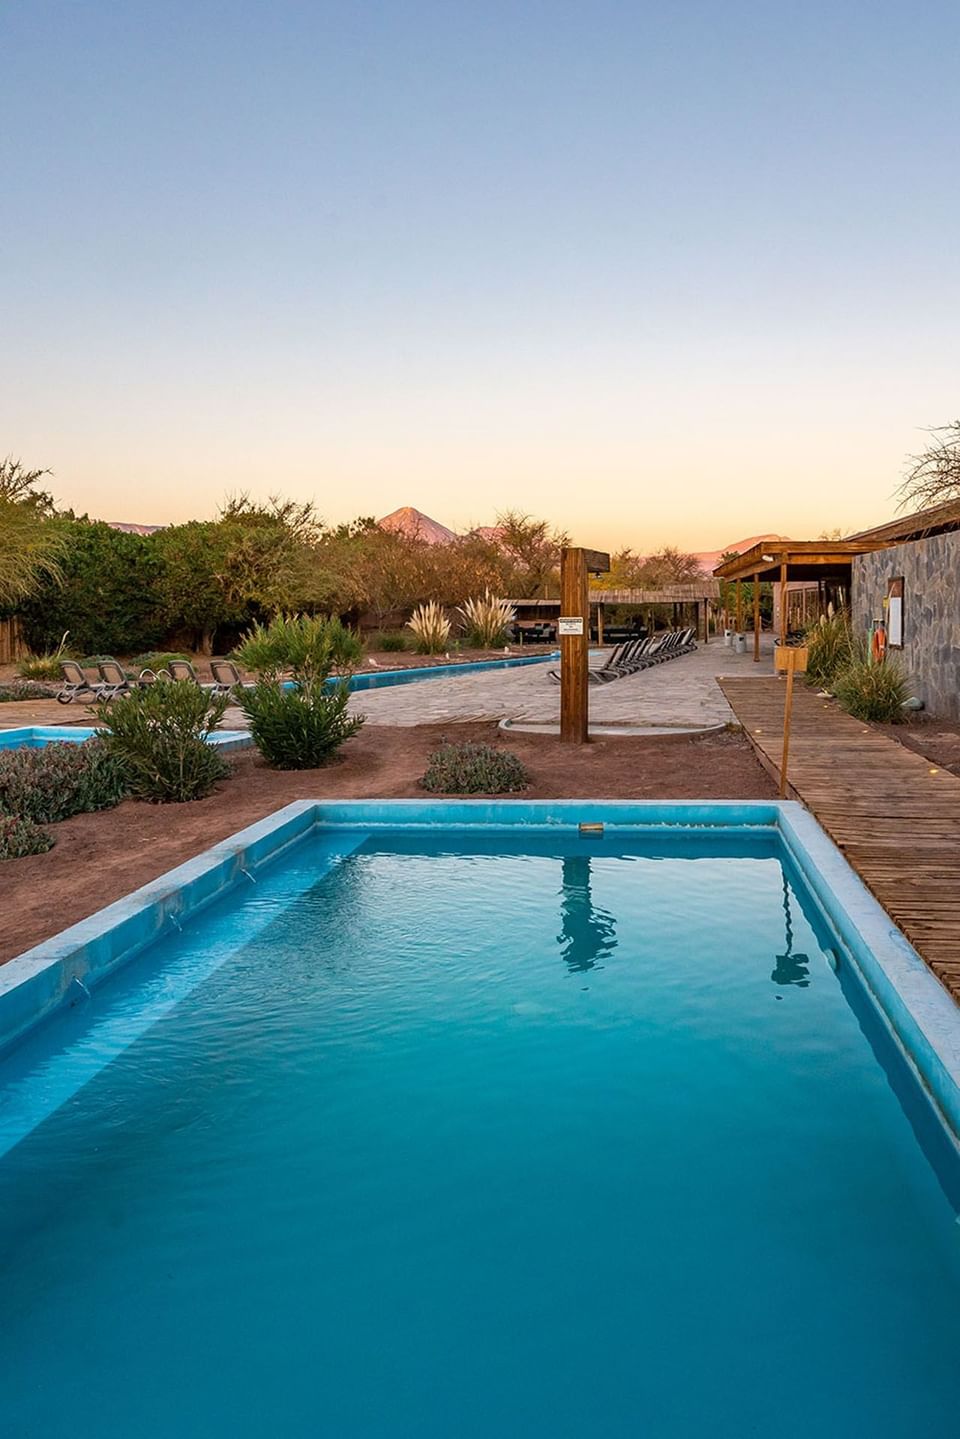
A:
{"x": 681, "y": 693}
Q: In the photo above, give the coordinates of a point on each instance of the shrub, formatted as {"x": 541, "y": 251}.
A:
{"x": 106, "y": 594}
{"x": 871, "y": 690}
{"x": 298, "y": 727}
{"x": 20, "y": 837}
{"x": 390, "y": 642}
{"x": 431, "y": 629}
{"x": 467, "y": 768}
{"x": 159, "y": 736}
{"x": 45, "y": 666}
{"x": 308, "y": 647}
{"x": 50, "y": 784}
{"x": 155, "y": 660}
{"x": 486, "y": 620}
{"x": 831, "y": 647}
{"x": 25, "y": 690}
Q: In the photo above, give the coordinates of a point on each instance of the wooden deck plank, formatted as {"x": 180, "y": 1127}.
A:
{"x": 894, "y": 814}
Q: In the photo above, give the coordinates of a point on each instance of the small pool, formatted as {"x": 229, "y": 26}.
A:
{"x": 39, "y": 736}
{"x": 461, "y": 1121}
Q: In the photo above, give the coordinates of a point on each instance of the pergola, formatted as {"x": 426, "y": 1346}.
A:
{"x": 699, "y": 593}
{"x": 783, "y": 561}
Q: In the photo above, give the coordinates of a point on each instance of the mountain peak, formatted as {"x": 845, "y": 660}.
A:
{"x": 415, "y": 525}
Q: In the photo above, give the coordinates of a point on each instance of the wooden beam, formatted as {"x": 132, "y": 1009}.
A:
{"x": 783, "y": 603}
{"x": 574, "y": 686}
{"x": 600, "y": 622}
{"x": 739, "y": 608}
{"x": 756, "y": 618}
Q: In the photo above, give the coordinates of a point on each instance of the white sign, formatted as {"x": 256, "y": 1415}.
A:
{"x": 571, "y": 624}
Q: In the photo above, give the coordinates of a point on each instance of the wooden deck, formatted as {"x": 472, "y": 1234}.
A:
{"x": 894, "y": 814}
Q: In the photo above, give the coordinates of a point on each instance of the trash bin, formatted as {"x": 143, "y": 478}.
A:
{"x": 728, "y": 638}
{"x": 739, "y": 644}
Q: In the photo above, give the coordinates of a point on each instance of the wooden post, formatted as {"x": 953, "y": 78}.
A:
{"x": 575, "y": 638}
{"x": 599, "y": 622}
{"x": 739, "y": 608}
{"x": 790, "y": 658}
{"x": 783, "y": 604}
{"x": 756, "y": 618}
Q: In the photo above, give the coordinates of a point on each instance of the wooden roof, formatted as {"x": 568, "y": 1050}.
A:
{"x": 805, "y": 559}
{"x": 687, "y": 594}
{"x": 912, "y": 527}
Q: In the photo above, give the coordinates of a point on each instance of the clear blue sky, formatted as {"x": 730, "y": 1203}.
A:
{"x": 681, "y": 271}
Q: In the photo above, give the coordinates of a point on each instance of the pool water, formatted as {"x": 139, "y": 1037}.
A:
{"x": 435, "y": 1137}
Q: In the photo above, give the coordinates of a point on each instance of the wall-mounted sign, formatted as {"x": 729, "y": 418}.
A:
{"x": 895, "y": 614}
{"x": 571, "y": 624}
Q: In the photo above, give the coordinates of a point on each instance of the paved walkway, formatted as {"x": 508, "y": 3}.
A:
{"x": 894, "y": 815}
{"x": 681, "y": 693}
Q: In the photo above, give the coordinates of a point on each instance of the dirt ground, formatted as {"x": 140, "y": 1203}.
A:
{"x": 937, "y": 740}
{"x": 98, "y": 858}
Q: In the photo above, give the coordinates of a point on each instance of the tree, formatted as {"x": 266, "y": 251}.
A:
{"x": 532, "y": 553}
{"x": 29, "y": 544}
{"x": 104, "y": 594}
{"x": 191, "y": 594}
{"x": 19, "y": 486}
{"x": 933, "y": 476}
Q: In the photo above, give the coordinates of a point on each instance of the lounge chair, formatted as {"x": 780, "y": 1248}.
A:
{"x": 113, "y": 680}
{"x": 226, "y": 676}
{"x": 75, "y": 684}
{"x": 184, "y": 670}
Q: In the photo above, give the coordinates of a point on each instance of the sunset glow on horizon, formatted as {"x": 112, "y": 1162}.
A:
{"x": 661, "y": 274}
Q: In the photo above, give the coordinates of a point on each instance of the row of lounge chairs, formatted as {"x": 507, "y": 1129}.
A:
{"x": 113, "y": 680}
{"x": 640, "y": 654}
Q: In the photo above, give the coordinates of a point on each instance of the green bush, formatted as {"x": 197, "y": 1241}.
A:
{"x": 300, "y": 727}
{"x": 830, "y": 648}
{"x": 154, "y": 660}
{"x": 25, "y": 690}
{"x": 159, "y": 736}
{"x": 308, "y": 647}
{"x": 871, "y": 690}
{"x": 106, "y": 595}
{"x": 390, "y": 642}
{"x": 467, "y": 768}
{"x": 50, "y": 784}
{"x": 20, "y": 837}
{"x": 45, "y": 666}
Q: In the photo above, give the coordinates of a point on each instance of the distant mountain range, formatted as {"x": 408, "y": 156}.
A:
{"x": 416, "y": 525}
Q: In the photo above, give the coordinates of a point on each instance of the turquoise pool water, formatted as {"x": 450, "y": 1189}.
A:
{"x": 462, "y": 1136}
{"x": 39, "y": 736}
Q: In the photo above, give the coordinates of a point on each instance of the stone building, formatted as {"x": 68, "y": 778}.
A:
{"x": 913, "y": 584}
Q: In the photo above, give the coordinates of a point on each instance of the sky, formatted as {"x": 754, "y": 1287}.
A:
{"x": 664, "y": 273}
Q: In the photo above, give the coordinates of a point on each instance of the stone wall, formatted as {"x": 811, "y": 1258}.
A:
{"x": 931, "y": 612}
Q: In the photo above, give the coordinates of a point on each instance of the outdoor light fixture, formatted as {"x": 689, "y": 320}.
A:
{"x": 767, "y": 559}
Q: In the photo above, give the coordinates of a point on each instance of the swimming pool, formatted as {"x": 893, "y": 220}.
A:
{"x": 492, "y": 1126}
{"x": 39, "y": 736}
{"x": 412, "y": 674}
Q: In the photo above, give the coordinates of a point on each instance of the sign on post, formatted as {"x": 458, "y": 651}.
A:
{"x": 571, "y": 625}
